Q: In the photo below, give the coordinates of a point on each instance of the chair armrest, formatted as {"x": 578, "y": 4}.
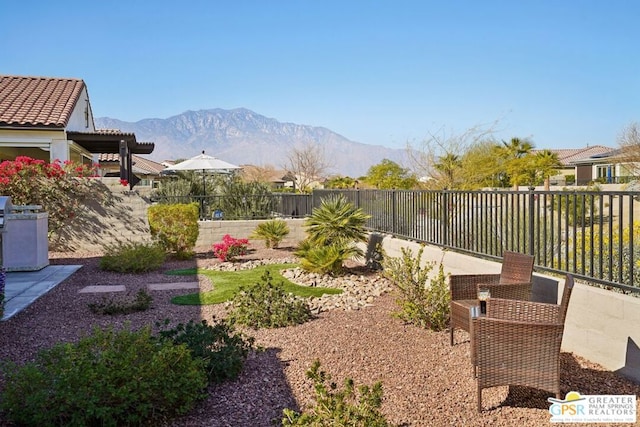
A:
{"x": 519, "y": 291}
{"x": 465, "y": 286}
{"x": 523, "y": 311}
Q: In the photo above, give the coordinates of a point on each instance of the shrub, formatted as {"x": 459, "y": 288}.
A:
{"x": 268, "y": 305}
{"x": 111, "y": 306}
{"x": 221, "y": 349}
{"x": 108, "y": 379}
{"x": 272, "y": 232}
{"x": 325, "y": 259}
{"x": 333, "y": 229}
{"x": 60, "y": 188}
{"x": 230, "y": 248}
{"x": 175, "y": 227}
{"x": 341, "y": 407}
{"x": 424, "y": 305}
{"x": 132, "y": 257}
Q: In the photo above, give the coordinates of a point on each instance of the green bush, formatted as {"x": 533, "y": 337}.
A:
{"x": 268, "y": 305}
{"x": 424, "y": 305}
{"x": 141, "y": 302}
{"x": 175, "y": 227}
{"x": 221, "y": 349}
{"x": 272, "y": 232}
{"x": 327, "y": 259}
{"x": 339, "y": 407}
{"x": 107, "y": 379}
{"x": 333, "y": 229}
{"x": 132, "y": 257}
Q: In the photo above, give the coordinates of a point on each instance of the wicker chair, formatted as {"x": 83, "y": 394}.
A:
{"x": 518, "y": 343}
{"x": 513, "y": 282}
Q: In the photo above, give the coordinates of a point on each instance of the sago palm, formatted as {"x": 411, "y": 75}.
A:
{"x": 336, "y": 221}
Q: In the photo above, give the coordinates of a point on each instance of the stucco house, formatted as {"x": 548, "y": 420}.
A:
{"x": 50, "y": 118}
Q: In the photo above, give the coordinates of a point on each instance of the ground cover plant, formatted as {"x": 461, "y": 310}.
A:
{"x": 268, "y": 305}
{"x": 228, "y": 283}
{"x": 221, "y": 349}
{"x": 132, "y": 257}
{"x": 336, "y": 407}
{"x": 109, "y": 378}
{"x": 123, "y": 305}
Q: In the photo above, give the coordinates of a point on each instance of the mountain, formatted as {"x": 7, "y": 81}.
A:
{"x": 241, "y": 136}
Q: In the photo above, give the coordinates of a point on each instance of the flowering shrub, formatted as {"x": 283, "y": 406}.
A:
{"x": 230, "y": 248}
{"x": 60, "y": 188}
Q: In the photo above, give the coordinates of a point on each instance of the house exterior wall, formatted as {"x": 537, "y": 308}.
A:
{"x": 81, "y": 119}
{"x": 50, "y": 144}
{"x": 35, "y": 143}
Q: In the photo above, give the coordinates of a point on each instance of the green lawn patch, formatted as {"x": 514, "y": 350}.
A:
{"x": 228, "y": 283}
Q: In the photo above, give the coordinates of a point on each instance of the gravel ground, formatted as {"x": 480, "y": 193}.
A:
{"x": 426, "y": 381}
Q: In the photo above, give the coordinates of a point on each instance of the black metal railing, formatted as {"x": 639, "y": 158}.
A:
{"x": 260, "y": 206}
{"x": 590, "y": 234}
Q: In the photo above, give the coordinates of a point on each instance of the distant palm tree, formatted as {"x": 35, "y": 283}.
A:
{"x": 517, "y": 148}
{"x": 447, "y": 165}
{"x": 515, "y": 165}
{"x": 547, "y": 162}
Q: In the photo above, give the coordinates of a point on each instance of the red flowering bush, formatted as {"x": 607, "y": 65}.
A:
{"x": 230, "y": 248}
{"x": 60, "y": 188}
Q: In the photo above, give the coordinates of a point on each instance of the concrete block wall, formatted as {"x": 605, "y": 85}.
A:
{"x": 124, "y": 218}
{"x": 602, "y": 326}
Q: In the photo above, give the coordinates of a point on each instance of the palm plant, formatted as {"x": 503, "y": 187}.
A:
{"x": 333, "y": 229}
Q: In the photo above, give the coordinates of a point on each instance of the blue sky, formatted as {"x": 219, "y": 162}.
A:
{"x": 562, "y": 73}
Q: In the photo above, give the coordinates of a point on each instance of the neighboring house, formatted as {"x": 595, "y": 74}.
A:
{"x": 146, "y": 170}
{"x": 606, "y": 168}
{"x": 568, "y": 158}
{"x": 277, "y": 178}
{"x": 51, "y": 119}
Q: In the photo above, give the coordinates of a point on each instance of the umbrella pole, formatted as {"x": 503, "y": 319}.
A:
{"x": 204, "y": 191}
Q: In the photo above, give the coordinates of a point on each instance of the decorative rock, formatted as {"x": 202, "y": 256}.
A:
{"x": 358, "y": 290}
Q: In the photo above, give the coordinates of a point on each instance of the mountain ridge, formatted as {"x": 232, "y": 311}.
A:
{"x": 242, "y": 136}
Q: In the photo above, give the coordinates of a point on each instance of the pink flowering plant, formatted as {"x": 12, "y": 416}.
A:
{"x": 230, "y": 248}
{"x": 60, "y": 188}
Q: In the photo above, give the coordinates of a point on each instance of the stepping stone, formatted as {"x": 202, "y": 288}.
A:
{"x": 171, "y": 286}
{"x": 102, "y": 289}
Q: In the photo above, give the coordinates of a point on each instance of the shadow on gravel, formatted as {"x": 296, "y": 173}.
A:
{"x": 256, "y": 398}
{"x": 573, "y": 377}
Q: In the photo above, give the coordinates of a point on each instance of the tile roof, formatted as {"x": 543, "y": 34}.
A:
{"x": 140, "y": 164}
{"x": 569, "y": 155}
{"x": 38, "y": 101}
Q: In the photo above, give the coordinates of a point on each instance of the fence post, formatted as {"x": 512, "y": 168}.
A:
{"x": 532, "y": 211}
{"x": 445, "y": 218}
{"x": 394, "y": 212}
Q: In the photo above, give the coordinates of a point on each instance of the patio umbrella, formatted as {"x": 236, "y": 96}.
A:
{"x": 205, "y": 163}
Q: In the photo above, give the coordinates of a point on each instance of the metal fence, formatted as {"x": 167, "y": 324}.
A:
{"x": 258, "y": 206}
{"x": 591, "y": 234}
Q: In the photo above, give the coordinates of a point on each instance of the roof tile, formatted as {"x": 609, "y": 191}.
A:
{"x": 38, "y": 101}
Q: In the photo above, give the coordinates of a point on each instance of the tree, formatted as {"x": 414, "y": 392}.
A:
{"x": 340, "y": 182}
{"x": 441, "y": 144}
{"x": 252, "y": 173}
{"x": 306, "y": 164}
{"x": 546, "y": 164}
{"x": 517, "y": 164}
{"x": 448, "y": 168}
{"x": 629, "y": 143}
{"x": 389, "y": 175}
